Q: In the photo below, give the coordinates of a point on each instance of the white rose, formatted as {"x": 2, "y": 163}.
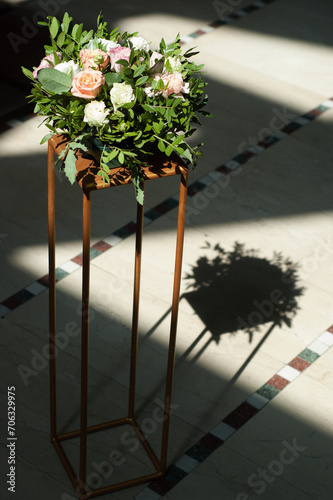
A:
{"x": 120, "y": 94}
{"x": 175, "y": 63}
{"x": 95, "y": 113}
{"x": 70, "y": 68}
{"x": 96, "y": 43}
{"x": 139, "y": 43}
{"x": 109, "y": 44}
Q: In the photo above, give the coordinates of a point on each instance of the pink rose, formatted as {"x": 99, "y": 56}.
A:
{"x": 87, "y": 83}
{"x": 46, "y": 63}
{"x": 174, "y": 83}
{"x": 89, "y": 58}
{"x": 116, "y": 54}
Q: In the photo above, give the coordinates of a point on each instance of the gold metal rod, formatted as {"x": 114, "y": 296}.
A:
{"x": 136, "y": 299}
{"x": 95, "y": 428}
{"x": 85, "y": 336}
{"x": 174, "y": 316}
{"x": 66, "y": 462}
{"x": 123, "y": 485}
{"x": 52, "y": 301}
{"x": 147, "y": 446}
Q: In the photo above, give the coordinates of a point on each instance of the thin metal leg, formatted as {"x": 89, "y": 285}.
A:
{"x": 52, "y": 304}
{"x": 174, "y": 317}
{"x": 85, "y": 337}
{"x": 136, "y": 298}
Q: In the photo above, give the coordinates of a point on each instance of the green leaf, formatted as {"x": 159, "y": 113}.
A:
{"x": 123, "y": 62}
{"x": 86, "y": 37}
{"x": 61, "y": 39}
{"x": 161, "y": 146}
{"x": 142, "y": 80}
{"x": 148, "y": 107}
{"x": 54, "y": 27}
{"x": 121, "y": 157}
{"x": 46, "y": 138}
{"x": 78, "y": 145}
{"x": 111, "y": 78}
{"x": 140, "y": 94}
{"x": 53, "y": 80}
{"x": 77, "y": 31}
{"x": 187, "y": 154}
{"x": 66, "y": 22}
{"x": 139, "y": 70}
{"x": 28, "y": 73}
{"x": 168, "y": 150}
{"x": 70, "y": 47}
{"x": 70, "y": 166}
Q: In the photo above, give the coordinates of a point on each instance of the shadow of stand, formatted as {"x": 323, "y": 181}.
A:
{"x": 239, "y": 291}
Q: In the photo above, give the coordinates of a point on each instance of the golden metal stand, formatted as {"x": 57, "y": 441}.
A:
{"x": 87, "y": 168}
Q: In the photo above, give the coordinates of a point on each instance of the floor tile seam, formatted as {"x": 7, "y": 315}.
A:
{"x": 215, "y": 176}
{"x": 235, "y": 420}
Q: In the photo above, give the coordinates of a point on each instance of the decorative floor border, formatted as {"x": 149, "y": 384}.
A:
{"x": 214, "y": 439}
{"x": 234, "y": 16}
{"x": 40, "y": 285}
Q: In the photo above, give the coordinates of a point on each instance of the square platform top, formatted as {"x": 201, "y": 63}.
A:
{"x": 88, "y": 165}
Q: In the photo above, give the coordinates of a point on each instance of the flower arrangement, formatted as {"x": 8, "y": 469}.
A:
{"x": 113, "y": 90}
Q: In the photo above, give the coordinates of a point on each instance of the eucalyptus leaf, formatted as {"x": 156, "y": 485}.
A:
{"x": 53, "y": 80}
{"x": 70, "y": 166}
{"x": 111, "y": 78}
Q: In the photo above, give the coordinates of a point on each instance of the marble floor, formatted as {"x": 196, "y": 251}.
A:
{"x": 253, "y": 391}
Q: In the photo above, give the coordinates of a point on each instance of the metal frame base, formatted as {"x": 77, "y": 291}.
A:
{"x": 79, "y": 480}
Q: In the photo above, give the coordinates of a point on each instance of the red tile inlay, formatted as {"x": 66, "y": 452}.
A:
{"x": 101, "y": 246}
{"x": 215, "y": 24}
{"x": 191, "y": 191}
{"x": 210, "y": 442}
{"x": 299, "y": 364}
{"x": 44, "y": 280}
{"x": 78, "y": 259}
{"x": 330, "y": 329}
{"x": 278, "y": 382}
{"x": 131, "y": 226}
{"x": 316, "y": 112}
{"x": 163, "y": 208}
{"x": 240, "y": 415}
{"x": 200, "y": 32}
{"x": 161, "y": 486}
{"x": 249, "y": 154}
{"x": 223, "y": 169}
{"x": 12, "y": 303}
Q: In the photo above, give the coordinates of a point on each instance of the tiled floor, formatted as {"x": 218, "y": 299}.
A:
{"x": 252, "y": 400}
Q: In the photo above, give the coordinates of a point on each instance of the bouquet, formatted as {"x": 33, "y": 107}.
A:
{"x": 113, "y": 92}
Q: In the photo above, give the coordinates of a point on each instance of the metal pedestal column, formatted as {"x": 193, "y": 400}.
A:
{"x": 79, "y": 480}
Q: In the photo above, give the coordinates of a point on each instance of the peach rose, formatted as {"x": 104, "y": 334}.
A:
{"x": 87, "y": 83}
{"x": 174, "y": 83}
{"x": 94, "y": 58}
{"x": 117, "y": 54}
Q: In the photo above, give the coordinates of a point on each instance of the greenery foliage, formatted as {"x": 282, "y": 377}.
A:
{"x": 153, "y": 116}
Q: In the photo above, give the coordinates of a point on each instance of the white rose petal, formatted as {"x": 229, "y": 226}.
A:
{"x": 109, "y": 44}
{"x": 69, "y": 67}
{"x": 121, "y": 93}
{"x": 139, "y": 43}
{"x": 95, "y": 113}
{"x": 175, "y": 63}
